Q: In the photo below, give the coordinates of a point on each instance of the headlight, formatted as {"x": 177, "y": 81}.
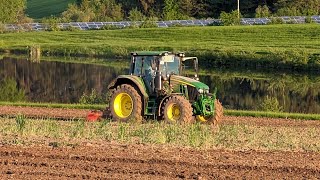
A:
{"x": 200, "y": 91}
{"x": 206, "y": 91}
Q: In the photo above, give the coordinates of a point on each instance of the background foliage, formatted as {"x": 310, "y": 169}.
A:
{"x": 12, "y": 11}
{"x": 117, "y": 10}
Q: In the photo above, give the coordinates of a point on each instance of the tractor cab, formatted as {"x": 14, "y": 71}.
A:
{"x": 148, "y": 64}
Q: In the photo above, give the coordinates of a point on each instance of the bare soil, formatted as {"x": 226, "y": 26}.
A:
{"x": 102, "y": 160}
{"x": 117, "y": 161}
{"x": 60, "y": 113}
{"x": 41, "y": 112}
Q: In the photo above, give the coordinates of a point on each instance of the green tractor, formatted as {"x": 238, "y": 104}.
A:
{"x": 159, "y": 85}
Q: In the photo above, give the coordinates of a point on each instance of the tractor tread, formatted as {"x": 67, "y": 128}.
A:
{"x": 186, "y": 109}
{"x": 218, "y": 114}
{"x": 136, "y": 115}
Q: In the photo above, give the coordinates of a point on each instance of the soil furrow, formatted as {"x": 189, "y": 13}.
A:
{"x": 117, "y": 161}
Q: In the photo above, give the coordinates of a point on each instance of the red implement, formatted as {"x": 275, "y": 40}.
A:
{"x": 94, "y": 116}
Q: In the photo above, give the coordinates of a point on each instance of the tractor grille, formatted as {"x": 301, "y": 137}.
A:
{"x": 193, "y": 93}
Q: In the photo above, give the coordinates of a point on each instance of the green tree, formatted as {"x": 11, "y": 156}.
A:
{"x": 171, "y": 10}
{"x": 298, "y": 7}
{"x": 262, "y": 11}
{"x": 187, "y": 7}
{"x": 146, "y": 5}
{"x": 136, "y": 15}
{"x": 76, "y": 13}
{"x": 107, "y": 10}
{"x": 230, "y": 19}
{"x": 12, "y": 11}
{"x": 94, "y": 10}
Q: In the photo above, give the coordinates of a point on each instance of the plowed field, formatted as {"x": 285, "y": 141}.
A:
{"x": 148, "y": 162}
{"x": 138, "y": 161}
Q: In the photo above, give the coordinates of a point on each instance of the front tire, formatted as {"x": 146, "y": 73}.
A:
{"x": 218, "y": 114}
{"x": 125, "y": 104}
{"x": 177, "y": 109}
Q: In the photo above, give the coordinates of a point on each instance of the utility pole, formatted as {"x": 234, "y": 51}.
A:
{"x": 238, "y": 9}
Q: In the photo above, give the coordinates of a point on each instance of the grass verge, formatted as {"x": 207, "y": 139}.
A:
{"x": 273, "y": 114}
{"x": 238, "y": 137}
{"x": 226, "y": 112}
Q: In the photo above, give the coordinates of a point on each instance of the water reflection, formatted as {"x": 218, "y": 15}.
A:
{"x": 60, "y": 82}
{"x": 65, "y": 82}
{"x": 295, "y": 93}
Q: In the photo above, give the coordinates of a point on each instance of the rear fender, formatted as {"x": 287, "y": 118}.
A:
{"x": 134, "y": 81}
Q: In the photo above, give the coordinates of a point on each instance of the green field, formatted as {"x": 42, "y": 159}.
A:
{"x": 43, "y": 8}
{"x": 266, "y": 46}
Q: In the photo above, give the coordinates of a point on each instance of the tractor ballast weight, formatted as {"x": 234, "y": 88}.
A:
{"x": 158, "y": 86}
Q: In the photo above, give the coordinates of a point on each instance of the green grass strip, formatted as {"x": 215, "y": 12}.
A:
{"x": 272, "y": 114}
{"x": 21, "y": 131}
{"x": 226, "y": 112}
{"x": 272, "y": 46}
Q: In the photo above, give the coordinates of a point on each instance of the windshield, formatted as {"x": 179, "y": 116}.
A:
{"x": 170, "y": 65}
{"x": 190, "y": 67}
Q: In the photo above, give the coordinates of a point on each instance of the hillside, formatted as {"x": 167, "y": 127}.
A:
{"x": 42, "y": 8}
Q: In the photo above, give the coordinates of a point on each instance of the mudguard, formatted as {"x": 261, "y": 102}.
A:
{"x": 134, "y": 81}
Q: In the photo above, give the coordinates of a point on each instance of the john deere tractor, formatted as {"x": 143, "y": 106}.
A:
{"x": 161, "y": 86}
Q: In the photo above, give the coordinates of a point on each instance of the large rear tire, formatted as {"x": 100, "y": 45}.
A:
{"x": 177, "y": 109}
{"x": 125, "y": 104}
{"x": 218, "y": 114}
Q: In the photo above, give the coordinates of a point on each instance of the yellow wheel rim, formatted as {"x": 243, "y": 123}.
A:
{"x": 174, "y": 112}
{"x": 123, "y": 105}
{"x": 201, "y": 118}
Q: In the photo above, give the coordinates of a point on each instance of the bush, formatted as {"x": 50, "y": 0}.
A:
{"x": 76, "y": 14}
{"x": 230, "y": 19}
{"x": 276, "y": 20}
{"x": 51, "y": 23}
{"x": 133, "y": 25}
{"x": 177, "y": 24}
{"x": 271, "y": 104}
{"x": 71, "y": 28}
{"x": 10, "y": 92}
{"x": 149, "y": 23}
{"x": 308, "y": 19}
{"x": 2, "y": 28}
{"x": 292, "y": 21}
{"x": 110, "y": 27}
{"x": 92, "y": 98}
{"x": 24, "y": 19}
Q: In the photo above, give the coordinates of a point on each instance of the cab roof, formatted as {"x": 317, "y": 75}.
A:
{"x": 149, "y": 53}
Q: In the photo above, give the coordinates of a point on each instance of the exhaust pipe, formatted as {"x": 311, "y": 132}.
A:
{"x": 158, "y": 81}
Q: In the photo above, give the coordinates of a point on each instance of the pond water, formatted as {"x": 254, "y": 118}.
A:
{"x": 65, "y": 82}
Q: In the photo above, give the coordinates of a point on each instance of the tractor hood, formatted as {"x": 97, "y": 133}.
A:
{"x": 189, "y": 82}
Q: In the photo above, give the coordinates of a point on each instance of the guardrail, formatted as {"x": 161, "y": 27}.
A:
{"x": 98, "y": 25}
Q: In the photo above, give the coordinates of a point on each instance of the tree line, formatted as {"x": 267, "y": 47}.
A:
{"x": 135, "y": 10}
